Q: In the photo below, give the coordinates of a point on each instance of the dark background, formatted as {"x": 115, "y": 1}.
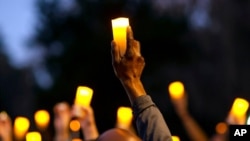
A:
{"x": 204, "y": 44}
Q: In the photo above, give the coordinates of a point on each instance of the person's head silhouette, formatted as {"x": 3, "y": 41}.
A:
{"x": 118, "y": 134}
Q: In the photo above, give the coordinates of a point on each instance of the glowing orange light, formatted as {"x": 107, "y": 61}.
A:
{"x": 74, "y": 125}
{"x": 119, "y": 26}
{"x": 124, "y": 117}
{"x": 176, "y": 90}
{"x": 42, "y": 119}
{"x": 76, "y": 139}
{"x": 240, "y": 107}
{"x": 33, "y": 136}
{"x": 21, "y": 126}
{"x": 83, "y": 96}
{"x": 221, "y": 128}
{"x": 175, "y": 138}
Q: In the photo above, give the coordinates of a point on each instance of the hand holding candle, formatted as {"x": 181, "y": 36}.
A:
{"x": 119, "y": 26}
{"x": 178, "y": 98}
{"x": 83, "y": 98}
{"x": 237, "y": 114}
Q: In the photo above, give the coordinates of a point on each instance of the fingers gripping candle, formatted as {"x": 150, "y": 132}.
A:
{"x": 83, "y": 98}
{"x": 119, "y": 27}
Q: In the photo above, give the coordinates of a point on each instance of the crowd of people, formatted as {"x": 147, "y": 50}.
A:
{"x": 150, "y": 123}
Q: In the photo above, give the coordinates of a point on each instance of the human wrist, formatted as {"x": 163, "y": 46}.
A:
{"x": 90, "y": 133}
{"x": 134, "y": 88}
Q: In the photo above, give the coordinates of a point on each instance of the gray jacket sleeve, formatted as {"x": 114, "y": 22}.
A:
{"x": 150, "y": 123}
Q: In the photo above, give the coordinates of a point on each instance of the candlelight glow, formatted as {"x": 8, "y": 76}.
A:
{"x": 124, "y": 117}
{"x": 33, "y": 136}
{"x": 240, "y": 107}
{"x": 74, "y": 125}
{"x": 42, "y": 119}
{"x": 83, "y": 96}
{"x": 221, "y": 128}
{"x": 175, "y": 138}
{"x": 76, "y": 139}
{"x": 119, "y": 26}
{"x": 21, "y": 126}
{"x": 176, "y": 90}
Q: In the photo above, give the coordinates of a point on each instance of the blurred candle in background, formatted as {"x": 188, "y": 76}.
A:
{"x": 175, "y": 138}
{"x": 33, "y": 136}
{"x": 42, "y": 119}
{"x": 239, "y": 107}
{"x": 176, "y": 90}
{"x": 83, "y": 98}
{"x": 124, "y": 117}
{"x": 237, "y": 113}
{"x": 119, "y": 27}
{"x": 221, "y": 128}
{"x": 74, "y": 125}
{"x": 21, "y": 127}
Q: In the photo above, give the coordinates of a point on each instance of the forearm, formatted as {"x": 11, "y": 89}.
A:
{"x": 193, "y": 129}
{"x": 90, "y": 132}
{"x": 134, "y": 88}
{"x": 149, "y": 120}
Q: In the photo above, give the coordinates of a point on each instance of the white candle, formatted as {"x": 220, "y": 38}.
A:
{"x": 119, "y": 26}
{"x": 83, "y": 98}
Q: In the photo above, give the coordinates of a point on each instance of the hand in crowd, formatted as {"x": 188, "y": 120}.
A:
{"x": 62, "y": 117}
{"x": 5, "y": 127}
{"x": 192, "y": 127}
{"x": 181, "y": 105}
{"x": 87, "y": 121}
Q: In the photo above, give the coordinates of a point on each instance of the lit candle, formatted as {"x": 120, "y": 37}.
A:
{"x": 21, "y": 126}
{"x": 119, "y": 26}
{"x": 175, "y": 138}
{"x": 42, "y": 119}
{"x": 33, "y": 136}
{"x": 176, "y": 90}
{"x": 74, "y": 125}
{"x": 239, "y": 107}
{"x": 83, "y": 98}
{"x": 124, "y": 117}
